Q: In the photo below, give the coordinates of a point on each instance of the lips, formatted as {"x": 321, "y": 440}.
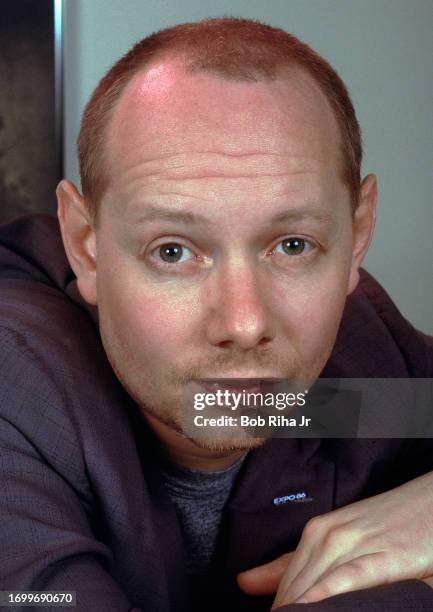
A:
{"x": 232, "y": 387}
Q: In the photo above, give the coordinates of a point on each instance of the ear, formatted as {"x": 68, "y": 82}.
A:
{"x": 79, "y": 238}
{"x": 362, "y": 227}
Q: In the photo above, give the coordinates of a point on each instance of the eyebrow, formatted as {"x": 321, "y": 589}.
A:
{"x": 160, "y": 213}
{"x": 304, "y": 213}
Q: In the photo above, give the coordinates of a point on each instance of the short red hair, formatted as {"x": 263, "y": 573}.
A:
{"x": 239, "y": 49}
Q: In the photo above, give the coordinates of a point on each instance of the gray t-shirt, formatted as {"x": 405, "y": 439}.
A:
{"x": 199, "y": 498}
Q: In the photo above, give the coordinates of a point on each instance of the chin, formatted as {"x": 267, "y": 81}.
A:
{"x": 221, "y": 445}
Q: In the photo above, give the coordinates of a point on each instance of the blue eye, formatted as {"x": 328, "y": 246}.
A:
{"x": 172, "y": 252}
{"x": 293, "y": 246}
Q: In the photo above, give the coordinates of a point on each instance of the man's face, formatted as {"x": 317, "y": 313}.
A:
{"x": 224, "y": 242}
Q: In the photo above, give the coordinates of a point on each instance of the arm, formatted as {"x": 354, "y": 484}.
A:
{"x": 46, "y": 535}
{"x": 406, "y": 595}
{"x": 383, "y": 540}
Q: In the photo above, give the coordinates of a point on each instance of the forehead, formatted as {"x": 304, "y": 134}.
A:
{"x": 165, "y": 111}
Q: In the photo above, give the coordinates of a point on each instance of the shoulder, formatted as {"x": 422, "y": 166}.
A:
{"x": 57, "y": 389}
{"x": 375, "y": 340}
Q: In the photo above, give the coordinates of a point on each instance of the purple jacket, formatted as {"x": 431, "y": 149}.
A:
{"x": 82, "y": 504}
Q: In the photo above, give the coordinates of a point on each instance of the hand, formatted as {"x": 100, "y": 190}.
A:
{"x": 380, "y": 540}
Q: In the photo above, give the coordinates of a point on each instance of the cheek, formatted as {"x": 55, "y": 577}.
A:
{"x": 145, "y": 320}
{"x": 321, "y": 317}
{"x": 311, "y": 311}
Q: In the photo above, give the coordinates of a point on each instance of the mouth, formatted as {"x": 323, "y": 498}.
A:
{"x": 233, "y": 385}
{"x": 243, "y": 393}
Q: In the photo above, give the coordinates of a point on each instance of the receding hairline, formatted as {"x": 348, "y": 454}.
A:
{"x": 173, "y": 66}
{"x": 235, "y": 49}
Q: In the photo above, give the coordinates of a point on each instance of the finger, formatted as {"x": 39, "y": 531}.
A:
{"x": 363, "y": 572}
{"x": 291, "y": 588}
{"x": 296, "y": 579}
{"x": 329, "y": 550}
{"x": 310, "y": 538}
{"x": 264, "y": 579}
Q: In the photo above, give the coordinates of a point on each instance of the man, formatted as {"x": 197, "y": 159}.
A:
{"x": 221, "y": 230}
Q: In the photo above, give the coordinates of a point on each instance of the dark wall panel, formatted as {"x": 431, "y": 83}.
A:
{"x": 29, "y": 166}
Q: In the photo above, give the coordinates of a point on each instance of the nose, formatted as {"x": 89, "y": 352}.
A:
{"x": 239, "y": 309}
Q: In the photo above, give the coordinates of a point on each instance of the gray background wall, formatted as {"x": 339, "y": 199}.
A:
{"x": 383, "y": 49}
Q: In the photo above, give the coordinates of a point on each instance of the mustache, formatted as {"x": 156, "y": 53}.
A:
{"x": 220, "y": 366}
